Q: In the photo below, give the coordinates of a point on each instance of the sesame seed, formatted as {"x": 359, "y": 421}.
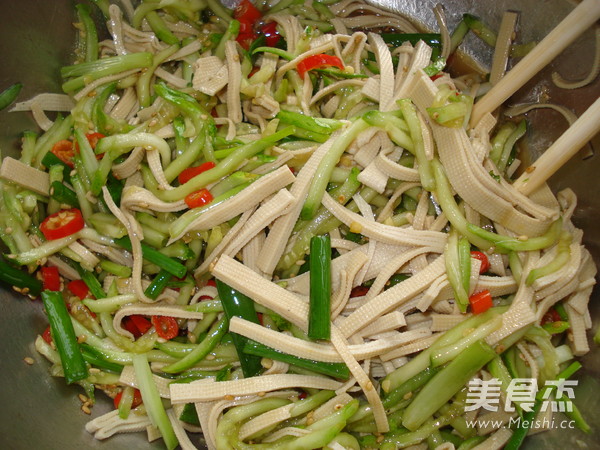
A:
{"x": 28, "y": 360}
{"x": 261, "y": 394}
{"x": 228, "y": 397}
{"x": 82, "y": 398}
{"x": 86, "y": 409}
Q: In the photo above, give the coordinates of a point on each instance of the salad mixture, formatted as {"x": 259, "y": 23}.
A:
{"x": 287, "y": 226}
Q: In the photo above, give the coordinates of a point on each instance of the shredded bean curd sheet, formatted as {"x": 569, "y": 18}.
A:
{"x": 378, "y": 154}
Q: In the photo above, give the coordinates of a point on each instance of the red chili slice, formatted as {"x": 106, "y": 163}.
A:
{"x": 481, "y": 302}
{"x": 191, "y": 172}
{"x": 137, "y": 399}
{"x": 141, "y": 323}
{"x": 269, "y": 31}
{"x": 198, "y": 198}
{"x": 62, "y": 224}
{"x": 247, "y": 12}
{"x": 246, "y": 39}
{"x": 318, "y": 62}
{"x": 136, "y": 324}
{"x": 92, "y": 138}
{"x": 46, "y": 335}
{"x": 166, "y": 327}
{"x": 78, "y": 288}
{"x": 50, "y": 278}
{"x": 550, "y": 317}
{"x": 359, "y": 291}
{"x": 485, "y": 263}
{"x": 65, "y": 151}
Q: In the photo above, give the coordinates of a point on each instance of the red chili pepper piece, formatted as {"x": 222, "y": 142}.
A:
{"x": 481, "y": 302}
{"x": 246, "y": 11}
{"x": 136, "y": 324}
{"x": 166, "y": 327}
{"x": 359, "y": 291}
{"x": 191, "y": 172}
{"x": 246, "y": 39}
{"x": 269, "y": 31}
{"x": 46, "y": 335}
{"x": 318, "y": 62}
{"x": 550, "y": 317}
{"x": 128, "y": 324}
{"x": 65, "y": 151}
{"x": 141, "y": 323}
{"x": 246, "y": 27}
{"x": 93, "y": 139}
{"x": 51, "y": 278}
{"x": 78, "y": 288}
{"x": 198, "y": 198}
{"x": 137, "y": 399}
{"x": 247, "y": 15}
{"x": 485, "y": 263}
{"x": 62, "y": 224}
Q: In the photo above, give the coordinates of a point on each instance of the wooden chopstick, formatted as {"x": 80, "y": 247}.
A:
{"x": 565, "y": 147}
{"x": 579, "y": 20}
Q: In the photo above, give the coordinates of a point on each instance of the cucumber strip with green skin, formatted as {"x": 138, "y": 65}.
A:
{"x": 507, "y": 150}
{"x": 160, "y": 28}
{"x": 89, "y": 33}
{"x": 152, "y": 401}
{"x": 213, "y": 337}
{"x": 63, "y": 335}
{"x": 180, "y": 224}
{"x": 115, "y": 268}
{"x": 508, "y": 244}
{"x": 446, "y": 383}
{"x": 93, "y": 70}
{"x": 224, "y": 166}
{"x": 329, "y": 161}
{"x": 319, "y": 323}
{"x": 316, "y": 125}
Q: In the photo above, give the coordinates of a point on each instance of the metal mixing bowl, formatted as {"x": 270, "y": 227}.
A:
{"x": 36, "y": 39}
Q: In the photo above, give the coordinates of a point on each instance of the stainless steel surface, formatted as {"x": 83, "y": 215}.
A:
{"x": 36, "y": 36}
